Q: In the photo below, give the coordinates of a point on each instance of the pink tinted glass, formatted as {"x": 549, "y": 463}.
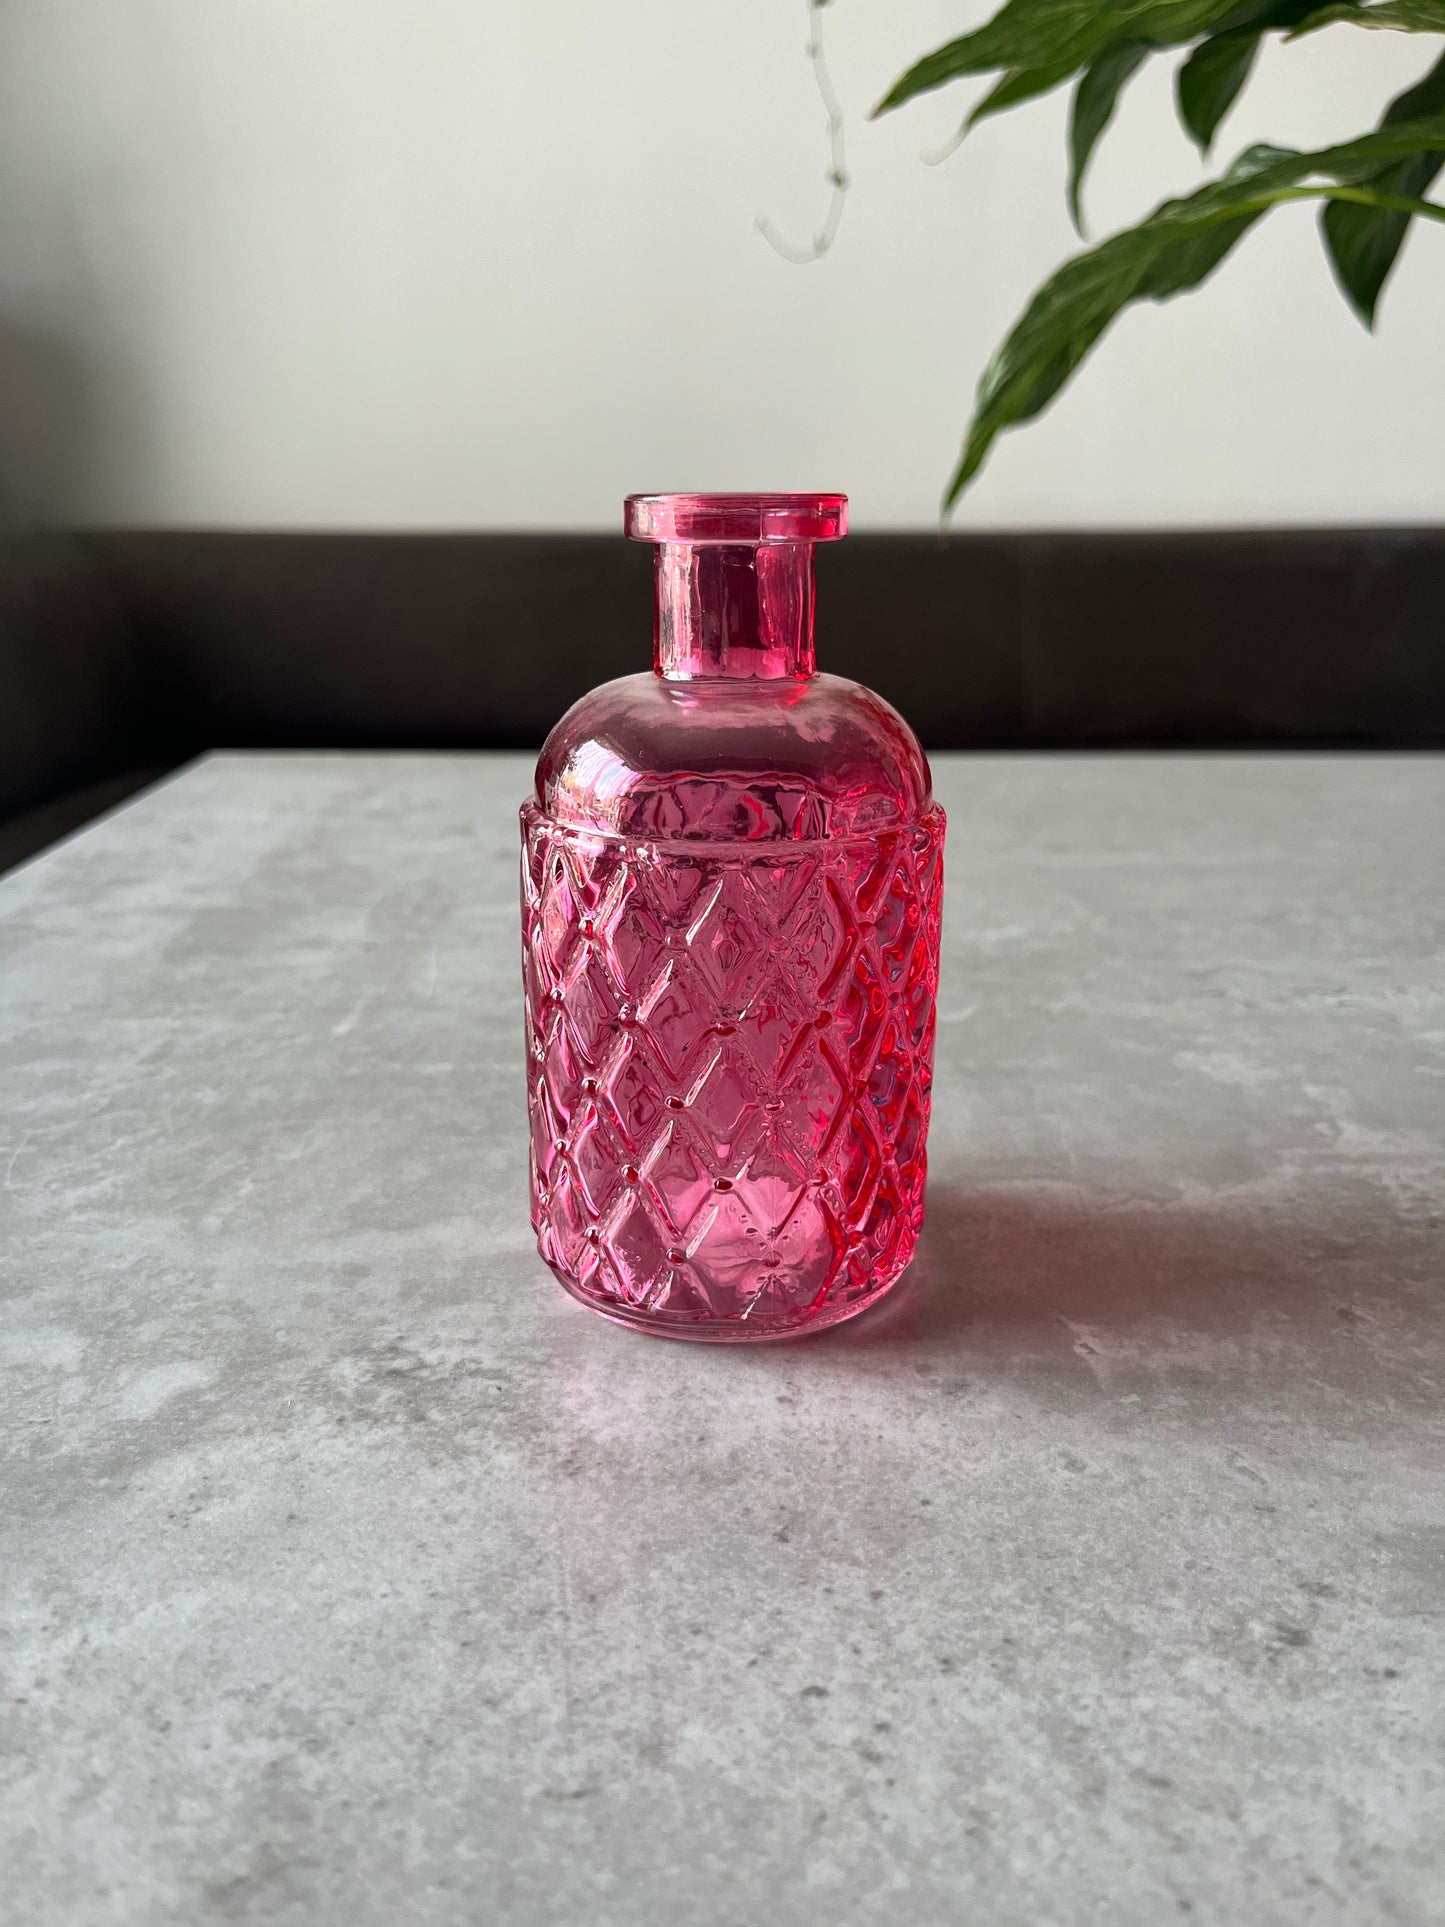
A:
{"x": 735, "y": 518}
{"x": 731, "y": 896}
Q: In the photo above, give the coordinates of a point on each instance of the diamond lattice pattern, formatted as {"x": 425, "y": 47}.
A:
{"x": 729, "y": 1056}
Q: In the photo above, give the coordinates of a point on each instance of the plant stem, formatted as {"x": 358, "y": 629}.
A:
{"x": 837, "y": 172}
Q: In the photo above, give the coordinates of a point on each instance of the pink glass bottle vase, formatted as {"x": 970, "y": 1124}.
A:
{"x": 732, "y": 883}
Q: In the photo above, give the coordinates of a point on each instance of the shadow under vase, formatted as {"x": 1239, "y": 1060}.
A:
{"x": 1261, "y": 1287}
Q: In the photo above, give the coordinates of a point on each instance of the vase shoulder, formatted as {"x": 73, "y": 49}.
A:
{"x": 798, "y": 759}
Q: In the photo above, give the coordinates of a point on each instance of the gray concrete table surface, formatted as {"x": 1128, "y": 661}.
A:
{"x": 352, "y": 1574}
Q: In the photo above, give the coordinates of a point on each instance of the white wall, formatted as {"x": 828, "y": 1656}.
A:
{"x": 492, "y": 262}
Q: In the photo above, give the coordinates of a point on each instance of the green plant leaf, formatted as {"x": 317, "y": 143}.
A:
{"x": 1363, "y": 243}
{"x": 1020, "y": 84}
{"x": 1026, "y": 35}
{"x": 1175, "y": 248}
{"x": 1095, "y": 99}
{"x": 1401, "y": 16}
{"x": 1208, "y": 83}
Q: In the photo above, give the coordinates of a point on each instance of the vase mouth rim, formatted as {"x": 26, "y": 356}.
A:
{"x": 694, "y": 519}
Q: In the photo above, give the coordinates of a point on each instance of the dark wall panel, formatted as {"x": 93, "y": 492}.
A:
{"x": 1309, "y": 637}
{"x": 123, "y": 652}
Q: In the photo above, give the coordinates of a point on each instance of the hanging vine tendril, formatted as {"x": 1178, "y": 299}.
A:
{"x": 836, "y": 173}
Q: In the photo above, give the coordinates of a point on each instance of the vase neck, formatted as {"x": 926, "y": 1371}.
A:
{"x": 739, "y": 611}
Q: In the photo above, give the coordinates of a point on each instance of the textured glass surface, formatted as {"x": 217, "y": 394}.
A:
{"x": 811, "y": 757}
{"x": 732, "y": 885}
{"x": 729, "y": 1063}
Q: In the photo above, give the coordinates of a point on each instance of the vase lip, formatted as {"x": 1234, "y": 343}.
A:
{"x": 695, "y": 519}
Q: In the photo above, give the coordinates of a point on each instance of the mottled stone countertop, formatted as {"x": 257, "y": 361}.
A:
{"x": 354, "y": 1576}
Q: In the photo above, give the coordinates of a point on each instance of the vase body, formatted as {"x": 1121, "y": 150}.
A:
{"x": 732, "y": 886}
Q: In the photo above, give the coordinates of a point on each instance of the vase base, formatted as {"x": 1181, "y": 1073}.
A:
{"x": 728, "y": 1331}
